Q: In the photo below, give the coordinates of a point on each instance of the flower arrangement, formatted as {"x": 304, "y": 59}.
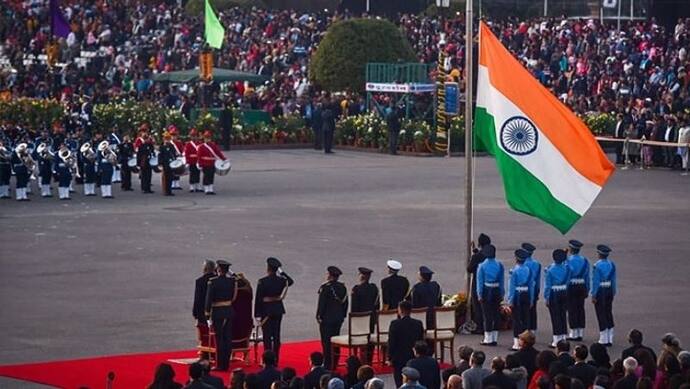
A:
{"x": 459, "y": 301}
{"x": 30, "y": 113}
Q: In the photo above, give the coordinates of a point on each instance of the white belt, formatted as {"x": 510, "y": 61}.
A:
{"x": 491, "y": 284}
{"x": 605, "y": 284}
{"x": 522, "y": 289}
{"x": 559, "y": 287}
{"x": 577, "y": 281}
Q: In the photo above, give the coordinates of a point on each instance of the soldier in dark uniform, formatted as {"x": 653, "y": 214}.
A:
{"x": 144, "y": 152}
{"x": 198, "y": 308}
{"x": 365, "y": 298}
{"x": 603, "y": 292}
{"x": 477, "y": 258}
{"x": 394, "y": 288}
{"x": 268, "y": 304}
{"x": 21, "y": 172}
{"x": 5, "y": 170}
{"x": 166, "y": 155}
{"x": 45, "y": 171}
{"x": 331, "y": 311}
{"x": 63, "y": 171}
{"x": 220, "y": 295}
{"x": 426, "y": 294}
{"x": 125, "y": 152}
{"x": 90, "y": 173}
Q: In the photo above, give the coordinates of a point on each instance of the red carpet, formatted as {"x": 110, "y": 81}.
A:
{"x": 136, "y": 370}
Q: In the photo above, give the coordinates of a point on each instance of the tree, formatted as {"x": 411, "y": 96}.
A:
{"x": 340, "y": 60}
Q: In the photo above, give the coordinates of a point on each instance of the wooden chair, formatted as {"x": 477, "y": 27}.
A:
{"x": 240, "y": 346}
{"x": 419, "y": 314}
{"x": 357, "y": 338}
{"x": 380, "y": 337}
{"x": 444, "y": 333}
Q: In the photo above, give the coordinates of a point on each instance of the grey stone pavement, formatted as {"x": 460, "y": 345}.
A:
{"x": 94, "y": 277}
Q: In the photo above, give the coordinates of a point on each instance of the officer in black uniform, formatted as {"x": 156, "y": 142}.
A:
{"x": 394, "y": 288}
{"x": 144, "y": 152}
{"x": 365, "y": 298}
{"x": 268, "y": 304}
{"x": 167, "y": 154}
{"x": 124, "y": 152}
{"x": 199, "y": 305}
{"x": 45, "y": 171}
{"x": 477, "y": 258}
{"x": 426, "y": 294}
{"x": 220, "y": 294}
{"x": 331, "y": 311}
{"x": 5, "y": 170}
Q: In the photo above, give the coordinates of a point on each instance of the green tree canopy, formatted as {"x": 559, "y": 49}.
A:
{"x": 348, "y": 46}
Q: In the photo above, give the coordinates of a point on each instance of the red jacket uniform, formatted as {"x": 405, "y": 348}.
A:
{"x": 190, "y": 152}
{"x": 179, "y": 147}
{"x": 208, "y": 153}
{"x": 138, "y": 142}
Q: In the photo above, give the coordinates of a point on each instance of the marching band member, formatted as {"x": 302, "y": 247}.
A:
{"x": 114, "y": 140}
{"x": 20, "y": 171}
{"x": 125, "y": 152}
{"x": 190, "y": 155}
{"x": 105, "y": 158}
{"x": 5, "y": 170}
{"x": 144, "y": 150}
{"x": 179, "y": 148}
{"x": 90, "y": 172}
{"x": 208, "y": 153}
{"x": 141, "y": 139}
{"x": 45, "y": 168}
{"x": 63, "y": 172}
{"x": 167, "y": 153}
{"x": 603, "y": 292}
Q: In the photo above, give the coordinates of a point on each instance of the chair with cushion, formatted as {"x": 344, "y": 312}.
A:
{"x": 419, "y": 314}
{"x": 357, "y": 337}
{"x": 444, "y": 333}
{"x": 380, "y": 337}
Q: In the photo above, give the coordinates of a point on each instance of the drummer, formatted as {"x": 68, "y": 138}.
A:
{"x": 208, "y": 154}
{"x": 167, "y": 154}
{"x": 179, "y": 148}
{"x": 190, "y": 155}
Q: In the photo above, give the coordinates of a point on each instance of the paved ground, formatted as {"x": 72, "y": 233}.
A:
{"x": 93, "y": 277}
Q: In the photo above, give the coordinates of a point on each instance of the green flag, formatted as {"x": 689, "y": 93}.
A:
{"x": 214, "y": 31}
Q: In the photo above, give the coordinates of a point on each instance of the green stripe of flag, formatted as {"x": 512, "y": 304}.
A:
{"x": 214, "y": 31}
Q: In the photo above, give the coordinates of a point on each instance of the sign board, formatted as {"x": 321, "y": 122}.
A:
{"x": 452, "y": 98}
{"x": 399, "y": 88}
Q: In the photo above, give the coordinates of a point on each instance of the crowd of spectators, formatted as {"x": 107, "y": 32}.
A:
{"x": 639, "y": 72}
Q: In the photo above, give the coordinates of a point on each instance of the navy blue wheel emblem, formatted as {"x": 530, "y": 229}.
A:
{"x": 519, "y": 136}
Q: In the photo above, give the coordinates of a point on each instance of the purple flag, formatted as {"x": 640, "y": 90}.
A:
{"x": 58, "y": 24}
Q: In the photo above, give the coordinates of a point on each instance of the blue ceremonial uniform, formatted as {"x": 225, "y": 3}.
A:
{"x": 105, "y": 168}
{"x": 535, "y": 270}
{"x": 64, "y": 175}
{"x": 578, "y": 288}
{"x": 490, "y": 289}
{"x": 521, "y": 297}
{"x": 556, "y": 279}
{"x": 603, "y": 291}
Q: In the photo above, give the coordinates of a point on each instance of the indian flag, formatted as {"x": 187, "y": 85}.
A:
{"x": 551, "y": 164}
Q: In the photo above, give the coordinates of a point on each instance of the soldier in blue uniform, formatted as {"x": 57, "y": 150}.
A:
{"x": 90, "y": 173}
{"x": 220, "y": 295}
{"x": 268, "y": 304}
{"x": 490, "y": 291}
{"x": 556, "y": 279}
{"x": 477, "y": 258}
{"x": 603, "y": 292}
{"x": 578, "y": 289}
{"x": 45, "y": 171}
{"x": 105, "y": 169}
{"x": 63, "y": 173}
{"x": 520, "y": 295}
{"x": 114, "y": 140}
{"x": 426, "y": 294}
{"x": 331, "y": 310}
{"x": 394, "y": 288}
{"x": 5, "y": 170}
{"x": 535, "y": 268}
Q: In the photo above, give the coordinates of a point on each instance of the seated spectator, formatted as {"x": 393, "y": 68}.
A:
{"x": 561, "y": 381}
{"x": 600, "y": 357}
{"x": 163, "y": 378}
{"x": 670, "y": 343}
{"x": 644, "y": 383}
{"x": 646, "y": 364}
{"x": 426, "y": 365}
{"x": 629, "y": 380}
{"x": 335, "y": 383}
{"x": 635, "y": 340}
{"x": 312, "y": 379}
{"x": 516, "y": 372}
{"x": 196, "y": 372}
{"x": 364, "y": 374}
{"x": 324, "y": 380}
{"x": 684, "y": 361}
{"x": 207, "y": 378}
{"x": 353, "y": 364}
{"x": 582, "y": 370}
{"x": 410, "y": 377}
{"x": 497, "y": 378}
{"x": 668, "y": 367}
{"x": 563, "y": 350}
{"x": 374, "y": 383}
{"x": 251, "y": 381}
{"x": 472, "y": 378}
{"x": 527, "y": 355}
{"x": 237, "y": 379}
{"x": 296, "y": 383}
{"x": 269, "y": 373}
{"x": 544, "y": 360}
{"x": 287, "y": 375}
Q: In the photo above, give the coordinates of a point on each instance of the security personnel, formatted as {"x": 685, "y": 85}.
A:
{"x": 330, "y": 312}
{"x": 556, "y": 279}
{"x": 144, "y": 150}
{"x": 199, "y": 305}
{"x": 578, "y": 289}
{"x": 268, "y": 304}
{"x": 125, "y": 152}
{"x": 477, "y": 258}
{"x": 220, "y": 294}
{"x": 535, "y": 268}
{"x": 490, "y": 291}
{"x": 394, "y": 288}
{"x": 426, "y": 294}
{"x": 167, "y": 154}
{"x": 603, "y": 292}
{"x": 520, "y": 295}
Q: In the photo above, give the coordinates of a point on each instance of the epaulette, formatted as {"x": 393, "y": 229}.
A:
{"x": 211, "y": 279}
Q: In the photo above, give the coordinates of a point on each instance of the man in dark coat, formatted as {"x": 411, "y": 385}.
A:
{"x": 226, "y": 124}
{"x": 316, "y": 123}
{"x": 198, "y": 312}
{"x": 331, "y": 311}
{"x": 402, "y": 335}
{"x": 394, "y": 288}
{"x": 429, "y": 371}
{"x": 635, "y": 339}
{"x": 497, "y": 378}
{"x": 220, "y": 295}
{"x": 582, "y": 370}
{"x": 527, "y": 354}
{"x": 196, "y": 372}
{"x": 426, "y": 294}
{"x": 393, "y": 123}
{"x": 311, "y": 379}
{"x": 475, "y": 260}
{"x": 328, "y": 116}
{"x": 269, "y": 373}
{"x": 365, "y": 295}
{"x": 268, "y": 304}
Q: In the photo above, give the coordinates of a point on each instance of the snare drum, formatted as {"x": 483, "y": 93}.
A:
{"x": 178, "y": 167}
{"x": 153, "y": 162}
{"x": 133, "y": 166}
{"x": 223, "y": 167}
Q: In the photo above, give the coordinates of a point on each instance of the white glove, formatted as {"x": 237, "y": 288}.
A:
{"x": 209, "y": 323}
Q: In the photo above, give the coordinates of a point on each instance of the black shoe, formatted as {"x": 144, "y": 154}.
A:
{"x": 211, "y": 193}
{"x": 25, "y": 200}
{"x": 90, "y": 195}
{"x": 576, "y": 339}
{"x": 176, "y": 188}
{"x": 608, "y": 345}
{"x": 108, "y": 197}
{"x": 490, "y": 344}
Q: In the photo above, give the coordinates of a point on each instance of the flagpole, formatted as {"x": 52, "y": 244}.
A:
{"x": 468, "y": 143}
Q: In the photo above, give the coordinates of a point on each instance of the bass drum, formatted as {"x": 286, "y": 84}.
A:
{"x": 178, "y": 167}
{"x": 153, "y": 162}
{"x": 132, "y": 163}
{"x": 223, "y": 167}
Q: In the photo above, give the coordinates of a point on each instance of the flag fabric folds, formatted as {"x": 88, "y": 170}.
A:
{"x": 214, "y": 31}
{"x": 58, "y": 24}
{"x": 551, "y": 164}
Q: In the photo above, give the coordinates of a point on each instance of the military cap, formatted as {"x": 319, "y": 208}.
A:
{"x": 489, "y": 251}
{"x": 521, "y": 254}
{"x": 223, "y": 264}
{"x": 411, "y": 373}
{"x": 394, "y": 265}
{"x": 483, "y": 239}
{"x": 273, "y": 263}
{"x": 364, "y": 270}
{"x": 603, "y": 249}
{"x": 425, "y": 270}
{"x": 574, "y": 243}
{"x": 529, "y": 247}
{"x": 559, "y": 255}
{"x": 334, "y": 271}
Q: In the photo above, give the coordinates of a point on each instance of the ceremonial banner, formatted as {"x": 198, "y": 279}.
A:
{"x": 214, "y": 31}
{"x": 551, "y": 164}
{"x": 58, "y": 24}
